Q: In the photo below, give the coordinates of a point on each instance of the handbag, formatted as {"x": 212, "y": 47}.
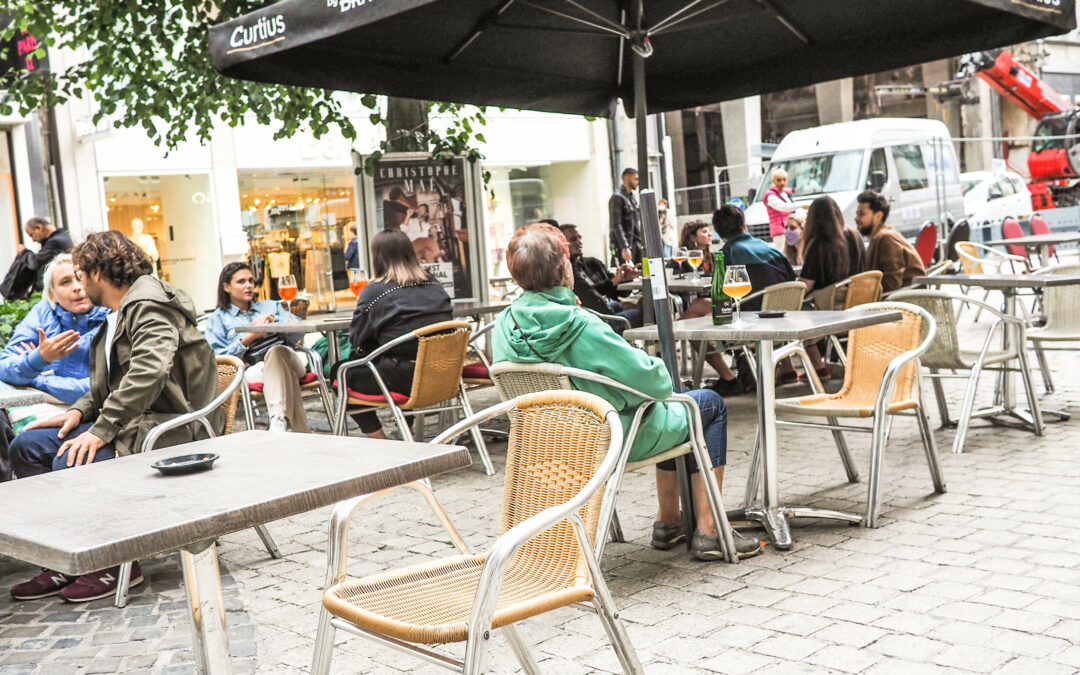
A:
{"x": 258, "y": 350}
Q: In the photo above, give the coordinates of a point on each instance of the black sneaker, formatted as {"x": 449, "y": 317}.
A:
{"x": 726, "y": 388}
{"x": 665, "y": 536}
{"x": 49, "y": 582}
{"x": 707, "y": 546}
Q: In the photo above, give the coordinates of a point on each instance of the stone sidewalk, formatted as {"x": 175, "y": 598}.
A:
{"x": 981, "y": 579}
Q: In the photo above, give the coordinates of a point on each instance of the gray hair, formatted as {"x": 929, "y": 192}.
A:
{"x": 50, "y": 272}
{"x": 780, "y": 171}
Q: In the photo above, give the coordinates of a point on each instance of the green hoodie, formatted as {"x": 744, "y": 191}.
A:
{"x": 561, "y": 332}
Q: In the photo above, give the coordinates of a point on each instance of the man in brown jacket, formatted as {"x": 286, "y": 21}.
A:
{"x": 889, "y": 252}
{"x": 148, "y": 363}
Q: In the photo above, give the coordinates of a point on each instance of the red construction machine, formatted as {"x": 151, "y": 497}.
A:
{"x": 1054, "y": 161}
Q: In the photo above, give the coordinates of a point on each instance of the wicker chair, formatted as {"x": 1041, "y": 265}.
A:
{"x": 440, "y": 357}
{"x": 946, "y": 353}
{"x": 1062, "y": 322}
{"x": 516, "y": 379}
{"x": 564, "y": 449}
{"x": 230, "y": 375}
{"x": 787, "y": 296}
{"x": 858, "y": 289}
{"x": 979, "y": 259}
{"x": 312, "y": 382}
{"x": 882, "y": 379}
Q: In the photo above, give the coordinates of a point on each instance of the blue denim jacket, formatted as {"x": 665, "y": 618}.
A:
{"x": 221, "y": 328}
{"x": 70, "y": 376}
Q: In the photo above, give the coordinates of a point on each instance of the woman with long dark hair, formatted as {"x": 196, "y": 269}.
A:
{"x": 401, "y": 298}
{"x": 278, "y": 367}
{"x": 832, "y": 253}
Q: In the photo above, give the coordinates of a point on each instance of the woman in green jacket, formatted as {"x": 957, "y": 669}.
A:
{"x": 546, "y": 324}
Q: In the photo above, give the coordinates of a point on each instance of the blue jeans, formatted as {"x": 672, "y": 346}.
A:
{"x": 34, "y": 452}
{"x": 714, "y": 423}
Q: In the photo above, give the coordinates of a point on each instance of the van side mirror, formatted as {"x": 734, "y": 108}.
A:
{"x": 750, "y": 195}
{"x": 877, "y": 181}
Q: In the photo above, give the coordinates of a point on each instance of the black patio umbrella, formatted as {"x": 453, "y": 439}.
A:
{"x": 580, "y": 56}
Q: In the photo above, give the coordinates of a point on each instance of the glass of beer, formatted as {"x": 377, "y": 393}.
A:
{"x": 695, "y": 258}
{"x": 680, "y": 257}
{"x": 286, "y": 287}
{"x": 357, "y": 280}
{"x": 737, "y": 286}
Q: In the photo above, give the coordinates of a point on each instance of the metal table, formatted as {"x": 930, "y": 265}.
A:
{"x": 795, "y": 326}
{"x": 128, "y": 511}
{"x": 675, "y": 284}
{"x": 1009, "y": 284}
{"x": 463, "y": 308}
{"x": 327, "y": 324}
{"x": 1040, "y": 242}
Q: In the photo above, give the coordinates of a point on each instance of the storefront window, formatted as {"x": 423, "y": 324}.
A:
{"x": 171, "y": 217}
{"x": 517, "y": 196}
{"x": 9, "y": 217}
{"x": 298, "y": 222}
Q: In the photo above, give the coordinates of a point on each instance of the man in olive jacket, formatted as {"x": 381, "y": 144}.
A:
{"x": 148, "y": 363}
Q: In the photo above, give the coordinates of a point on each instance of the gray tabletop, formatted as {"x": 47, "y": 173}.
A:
{"x": 793, "y": 326}
{"x": 1002, "y": 281}
{"x": 9, "y": 398}
{"x": 315, "y": 324}
{"x": 475, "y": 308}
{"x": 93, "y": 517}
{"x": 687, "y": 285}
{"x": 1039, "y": 239}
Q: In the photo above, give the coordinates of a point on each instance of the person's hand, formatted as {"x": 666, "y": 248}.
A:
{"x": 58, "y": 346}
{"x": 19, "y": 248}
{"x": 626, "y": 254}
{"x": 249, "y": 338}
{"x": 625, "y": 273}
{"x": 65, "y": 420}
{"x": 266, "y": 318}
{"x": 81, "y": 449}
{"x": 24, "y": 347}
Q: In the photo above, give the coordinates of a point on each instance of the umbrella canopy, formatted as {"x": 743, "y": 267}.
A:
{"x": 574, "y": 56}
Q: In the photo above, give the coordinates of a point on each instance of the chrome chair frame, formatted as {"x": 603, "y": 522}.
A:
{"x": 340, "y": 427}
{"x": 315, "y": 365}
{"x": 495, "y": 567}
{"x": 123, "y": 581}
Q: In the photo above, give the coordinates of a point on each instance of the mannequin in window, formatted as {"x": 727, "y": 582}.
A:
{"x": 144, "y": 241}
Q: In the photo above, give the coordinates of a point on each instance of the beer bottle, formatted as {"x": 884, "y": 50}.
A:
{"x": 721, "y": 304}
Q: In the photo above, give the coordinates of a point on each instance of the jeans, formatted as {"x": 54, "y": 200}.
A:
{"x": 33, "y": 452}
{"x": 714, "y": 424}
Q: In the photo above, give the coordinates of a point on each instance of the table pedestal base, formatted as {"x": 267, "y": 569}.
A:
{"x": 1016, "y": 418}
{"x": 775, "y": 520}
{"x": 210, "y": 640}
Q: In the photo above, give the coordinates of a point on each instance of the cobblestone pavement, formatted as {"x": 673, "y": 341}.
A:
{"x": 984, "y": 578}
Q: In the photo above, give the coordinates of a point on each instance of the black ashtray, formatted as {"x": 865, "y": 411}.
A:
{"x": 175, "y": 466}
{"x": 772, "y": 314}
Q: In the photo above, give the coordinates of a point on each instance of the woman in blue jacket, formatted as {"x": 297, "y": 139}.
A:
{"x": 50, "y": 348}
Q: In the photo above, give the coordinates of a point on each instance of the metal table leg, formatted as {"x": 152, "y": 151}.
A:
{"x": 333, "y": 348}
{"x": 210, "y": 640}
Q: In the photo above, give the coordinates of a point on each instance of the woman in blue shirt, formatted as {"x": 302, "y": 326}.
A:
{"x": 50, "y": 348}
{"x": 281, "y": 369}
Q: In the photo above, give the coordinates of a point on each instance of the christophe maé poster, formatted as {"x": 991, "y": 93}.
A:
{"x": 426, "y": 200}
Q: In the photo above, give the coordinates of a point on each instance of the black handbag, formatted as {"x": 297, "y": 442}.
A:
{"x": 258, "y": 350}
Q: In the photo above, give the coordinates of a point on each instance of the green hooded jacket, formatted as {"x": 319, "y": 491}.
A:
{"x": 561, "y": 332}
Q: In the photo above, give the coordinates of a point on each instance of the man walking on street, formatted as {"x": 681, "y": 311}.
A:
{"x": 148, "y": 364}
{"x": 626, "y": 237}
{"x": 889, "y": 252}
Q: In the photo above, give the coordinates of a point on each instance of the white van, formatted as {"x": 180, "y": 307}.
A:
{"x": 842, "y": 160}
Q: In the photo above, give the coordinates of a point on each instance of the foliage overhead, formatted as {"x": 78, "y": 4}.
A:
{"x": 147, "y": 64}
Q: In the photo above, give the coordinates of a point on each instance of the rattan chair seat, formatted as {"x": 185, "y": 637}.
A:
{"x": 1057, "y": 334}
{"x": 835, "y": 406}
{"x": 430, "y": 603}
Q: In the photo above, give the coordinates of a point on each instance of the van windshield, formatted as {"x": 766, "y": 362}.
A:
{"x": 820, "y": 174}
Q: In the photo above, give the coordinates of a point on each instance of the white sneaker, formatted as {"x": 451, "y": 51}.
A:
{"x": 278, "y": 423}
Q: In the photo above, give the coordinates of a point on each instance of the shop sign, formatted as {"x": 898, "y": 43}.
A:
{"x": 23, "y": 55}
{"x": 430, "y": 201}
{"x": 442, "y": 272}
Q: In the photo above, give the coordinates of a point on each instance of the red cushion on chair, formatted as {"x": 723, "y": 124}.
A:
{"x": 308, "y": 378}
{"x": 475, "y": 371}
{"x": 375, "y": 398}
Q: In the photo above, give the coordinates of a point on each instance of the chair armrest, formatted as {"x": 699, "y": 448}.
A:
{"x": 199, "y": 415}
{"x": 609, "y": 318}
{"x": 367, "y": 360}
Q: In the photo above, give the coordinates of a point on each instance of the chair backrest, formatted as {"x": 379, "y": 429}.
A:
{"x": 1061, "y": 268}
{"x": 1059, "y": 308}
{"x": 871, "y": 350}
{"x": 440, "y": 356}
{"x": 961, "y": 231}
{"x": 969, "y": 258}
{"x": 514, "y": 379}
{"x": 787, "y": 296}
{"x": 864, "y": 288}
{"x": 1010, "y": 229}
{"x": 557, "y": 442}
{"x": 944, "y": 351}
{"x": 227, "y": 369}
{"x": 1039, "y": 226}
{"x": 926, "y": 243}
